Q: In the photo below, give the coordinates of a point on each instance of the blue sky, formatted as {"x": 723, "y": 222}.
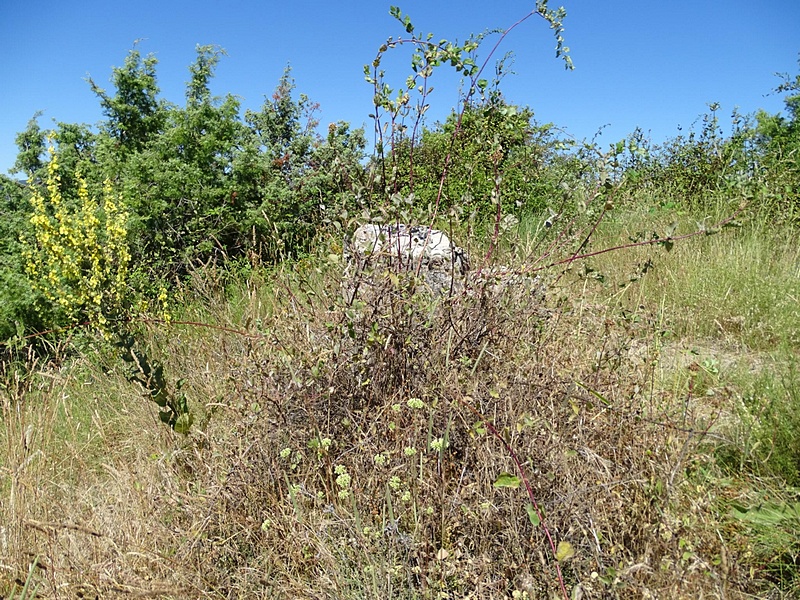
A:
{"x": 655, "y": 65}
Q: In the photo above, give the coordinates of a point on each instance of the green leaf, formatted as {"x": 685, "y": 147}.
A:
{"x": 532, "y": 514}
{"x": 507, "y": 480}
{"x": 160, "y": 397}
{"x": 767, "y": 515}
{"x": 183, "y": 423}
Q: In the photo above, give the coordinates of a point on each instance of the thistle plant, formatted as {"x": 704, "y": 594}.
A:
{"x": 77, "y": 255}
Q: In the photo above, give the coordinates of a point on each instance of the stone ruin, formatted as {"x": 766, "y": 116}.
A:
{"x": 419, "y": 249}
{"x": 441, "y": 265}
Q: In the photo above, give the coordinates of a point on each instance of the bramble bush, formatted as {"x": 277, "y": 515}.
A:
{"x": 778, "y": 139}
{"x": 496, "y": 142}
{"x": 705, "y": 170}
{"x": 487, "y": 151}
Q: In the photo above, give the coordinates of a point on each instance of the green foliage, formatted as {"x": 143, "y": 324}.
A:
{"x": 29, "y": 588}
{"x": 179, "y": 182}
{"x": 286, "y": 176}
{"x": 206, "y": 183}
{"x": 707, "y": 171}
{"x": 17, "y": 298}
{"x": 201, "y": 183}
{"x": 462, "y": 164}
{"x": 31, "y": 144}
{"x": 778, "y": 139}
{"x": 692, "y": 173}
{"x": 770, "y": 423}
{"x": 507, "y": 480}
{"x": 774, "y": 528}
{"x": 496, "y": 152}
{"x": 134, "y": 114}
{"x": 75, "y": 144}
{"x": 173, "y": 408}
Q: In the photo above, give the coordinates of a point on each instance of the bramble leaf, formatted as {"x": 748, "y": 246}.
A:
{"x": 532, "y": 514}
{"x": 507, "y": 480}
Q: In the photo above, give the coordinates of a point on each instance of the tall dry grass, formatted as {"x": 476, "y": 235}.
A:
{"x": 345, "y": 450}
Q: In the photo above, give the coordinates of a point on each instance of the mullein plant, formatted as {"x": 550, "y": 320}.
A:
{"x": 77, "y": 259}
{"x": 77, "y": 255}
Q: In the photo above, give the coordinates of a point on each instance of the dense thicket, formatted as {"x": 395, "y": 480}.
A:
{"x": 759, "y": 161}
{"x": 493, "y": 151}
{"x": 207, "y": 182}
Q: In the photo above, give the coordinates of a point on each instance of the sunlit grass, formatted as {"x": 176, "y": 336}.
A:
{"x": 740, "y": 286}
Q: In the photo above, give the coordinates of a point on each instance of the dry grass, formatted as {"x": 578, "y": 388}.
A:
{"x": 342, "y": 452}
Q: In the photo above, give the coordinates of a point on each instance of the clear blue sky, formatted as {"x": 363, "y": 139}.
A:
{"x": 638, "y": 63}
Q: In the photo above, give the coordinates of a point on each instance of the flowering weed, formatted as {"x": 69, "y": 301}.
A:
{"x": 77, "y": 256}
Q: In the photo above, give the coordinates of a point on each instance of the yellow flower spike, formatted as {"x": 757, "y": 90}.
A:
{"x": 77, "y": 257}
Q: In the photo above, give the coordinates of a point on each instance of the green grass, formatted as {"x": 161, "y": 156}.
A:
{"x": 741, "y": 286}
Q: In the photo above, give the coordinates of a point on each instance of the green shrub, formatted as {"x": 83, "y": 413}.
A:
{"x": 497, "y": 151}
{"x": 17, "y": 298}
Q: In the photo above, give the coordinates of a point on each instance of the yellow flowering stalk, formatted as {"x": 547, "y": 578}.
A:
{"x": 77, "y": 256}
